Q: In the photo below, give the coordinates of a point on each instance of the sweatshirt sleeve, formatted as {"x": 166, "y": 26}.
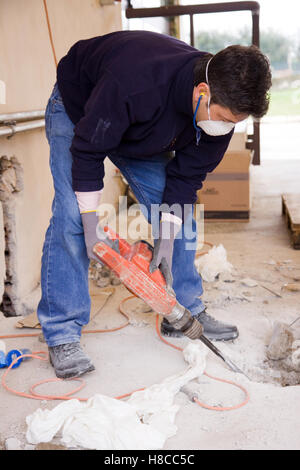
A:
{"x": 98, "y": 133}
{"x": 186, "y": 172}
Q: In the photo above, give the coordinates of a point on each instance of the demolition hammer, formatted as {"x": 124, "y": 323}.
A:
{"x": 131, "y": 266}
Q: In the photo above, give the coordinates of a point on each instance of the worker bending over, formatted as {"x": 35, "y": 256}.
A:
{"x": 164, "y": 113}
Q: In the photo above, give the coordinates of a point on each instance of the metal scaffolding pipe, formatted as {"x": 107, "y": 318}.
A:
{"x": 12, "y": 129}
{"x": 175, "y": 10}
{"x": 179, "y": 10}
{"x": 22, "y": 116}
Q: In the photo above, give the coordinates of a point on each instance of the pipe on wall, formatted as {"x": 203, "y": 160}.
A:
{"x": 12, "y": 129}
{"x": 22, "y": 116}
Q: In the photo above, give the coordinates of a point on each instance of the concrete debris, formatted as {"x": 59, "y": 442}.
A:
{"x": 283, "y": 352}
{"x": 271, "y": 262}
{"x": 294, "y": 277}
{"x": 226, "y": 277}
{"x": 289, "y": 378}
{"x": 41, "y": 338}
{"x": 292, "y": 287}
{"x": 249, "y": 282}
{"x": 247, "y": 294}
{"x": 103, "y": 278}
{"x": 48, "y": 446}
{"x": 102, "y": 275}
{"x": 13, "y": 444}
{"x": 296, "y": 344}
{"x": 281, "y": 342}
{"x": 139, "y": 324}
{"x": 140, "y": 314}
{"x": 223, "y": 293}
{"x": 296, "y": 358}
{"x": 227, "y": 288}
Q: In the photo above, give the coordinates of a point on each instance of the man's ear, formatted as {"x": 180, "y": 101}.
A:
{"x": 201, "y": 89}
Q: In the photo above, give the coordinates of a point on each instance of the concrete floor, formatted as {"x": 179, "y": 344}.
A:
{"x": 134, "y": 357}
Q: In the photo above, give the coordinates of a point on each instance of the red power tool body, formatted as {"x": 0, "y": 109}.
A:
{"x": 131, "y": 266}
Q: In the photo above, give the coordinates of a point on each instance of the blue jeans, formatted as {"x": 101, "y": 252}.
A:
{"x": 65, "y": 303}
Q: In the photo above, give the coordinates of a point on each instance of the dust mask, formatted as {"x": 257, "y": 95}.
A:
{"x": 210, "y": 127}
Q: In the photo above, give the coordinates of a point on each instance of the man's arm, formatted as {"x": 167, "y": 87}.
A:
{"x": 98, "y": 133}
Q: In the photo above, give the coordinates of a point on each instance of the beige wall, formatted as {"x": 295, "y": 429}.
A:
{"x": 27, "y": 67}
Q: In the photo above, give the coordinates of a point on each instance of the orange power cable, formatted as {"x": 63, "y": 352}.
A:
{"x": 41, "y": 355}
{"x": 50, "y": 32}
{"x": 203, "y": 405}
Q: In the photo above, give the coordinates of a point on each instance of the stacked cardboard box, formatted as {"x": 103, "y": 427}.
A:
{"x": 226, "y": 192}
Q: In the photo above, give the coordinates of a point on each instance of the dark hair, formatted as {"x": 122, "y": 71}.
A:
{"x": 239, "y": 78}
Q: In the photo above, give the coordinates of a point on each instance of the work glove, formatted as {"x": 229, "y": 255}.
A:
{"x": 163, "y": 247}
{"x": 88, "y": 203}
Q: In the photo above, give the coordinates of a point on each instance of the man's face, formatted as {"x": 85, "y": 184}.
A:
{"x": 217, "y": 112}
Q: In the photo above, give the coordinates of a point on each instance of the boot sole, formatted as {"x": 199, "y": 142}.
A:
{"x": 172, "y": 333}
{"x": 68, "y": 374}
{"x": 222, "y": 337}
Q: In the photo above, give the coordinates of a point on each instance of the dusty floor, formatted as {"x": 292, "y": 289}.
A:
{"x": 135, "y": 357}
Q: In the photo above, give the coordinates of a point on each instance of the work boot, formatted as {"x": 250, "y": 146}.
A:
{"x": 212, "y": 329}
{"x": 69, "y": 360}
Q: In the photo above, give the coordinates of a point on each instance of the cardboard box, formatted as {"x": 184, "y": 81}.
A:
{"x": 226, "y": 192}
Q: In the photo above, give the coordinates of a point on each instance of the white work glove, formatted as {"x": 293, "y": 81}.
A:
{"x": 88, "y": 203}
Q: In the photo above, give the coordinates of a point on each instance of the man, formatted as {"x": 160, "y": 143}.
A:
{"x": 137, "y": 97}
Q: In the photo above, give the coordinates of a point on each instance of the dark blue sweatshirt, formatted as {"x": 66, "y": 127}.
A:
{"x": 130, "y": 93}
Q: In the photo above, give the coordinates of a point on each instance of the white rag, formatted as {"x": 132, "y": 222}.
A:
{"x": 144, "y": 421}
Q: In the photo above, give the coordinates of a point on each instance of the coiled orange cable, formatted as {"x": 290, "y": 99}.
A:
{"x": 70, "y": 395}
{"x": 203, "y": 405}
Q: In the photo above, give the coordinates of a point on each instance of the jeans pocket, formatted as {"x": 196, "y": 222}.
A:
{"x": 57, "y": 104}
{"x": 61, "y": 125}
{"x": 48, "y": 120}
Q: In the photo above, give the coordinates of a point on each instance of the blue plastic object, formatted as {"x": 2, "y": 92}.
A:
{"x": 2, "y": 359}
{"x": 11, "y": 356}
